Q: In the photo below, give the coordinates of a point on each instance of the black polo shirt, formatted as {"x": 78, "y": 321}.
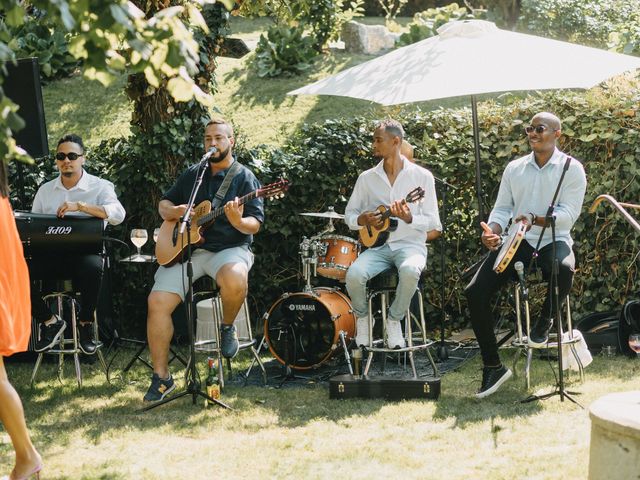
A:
{"x": 221, "y": 234}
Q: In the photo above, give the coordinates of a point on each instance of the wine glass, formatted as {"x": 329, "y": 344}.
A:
{"x": 634, "y": 343}
{"x": 138, "y": 237}
{"x": 156, "y": 232}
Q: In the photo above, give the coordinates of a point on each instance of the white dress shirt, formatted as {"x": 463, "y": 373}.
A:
{"x": 90, "y": 189}
{"x": 526, "y": 188}
{"x": 373, "y": 189}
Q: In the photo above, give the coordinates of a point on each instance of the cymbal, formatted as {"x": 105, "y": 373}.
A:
{"x": 327, "y": 214}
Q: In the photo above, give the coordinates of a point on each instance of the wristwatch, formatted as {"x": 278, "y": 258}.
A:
{"x": 81, "y": 206}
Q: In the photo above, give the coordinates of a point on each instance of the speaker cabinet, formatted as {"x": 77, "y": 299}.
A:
{"x": 22, "y": 85}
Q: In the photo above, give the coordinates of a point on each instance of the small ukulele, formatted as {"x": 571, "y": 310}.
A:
{"x": 171, "y": 243}
{"x": 371, "y": 236}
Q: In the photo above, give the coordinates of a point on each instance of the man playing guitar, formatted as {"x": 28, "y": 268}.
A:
{"x": 526, "y": 191}
{"x": 390, "y": 183}
{"x": 225, "y": 254}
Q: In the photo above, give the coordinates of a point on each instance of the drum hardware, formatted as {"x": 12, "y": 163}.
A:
{"x": 310, "y": 250}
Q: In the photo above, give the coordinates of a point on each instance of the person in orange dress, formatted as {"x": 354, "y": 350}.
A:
{"x": 15, "y": 329}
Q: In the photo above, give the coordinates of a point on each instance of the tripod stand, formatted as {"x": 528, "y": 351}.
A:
{"x": 192, "y": 381}
{"x": 550, "y": 220}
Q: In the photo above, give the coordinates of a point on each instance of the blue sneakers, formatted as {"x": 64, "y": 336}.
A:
{"x": 229, "y": 344}
{"x": 159, "y": 388}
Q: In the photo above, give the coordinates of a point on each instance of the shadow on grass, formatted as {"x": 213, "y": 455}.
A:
{"x": 253, "y": 90}
{"x": 59, "y": 412}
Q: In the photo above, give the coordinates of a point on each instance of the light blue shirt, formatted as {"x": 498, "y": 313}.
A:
{"x": 373, "y": 189}
{"x": 526, "y": 188}
{"x": 89, "y": 189}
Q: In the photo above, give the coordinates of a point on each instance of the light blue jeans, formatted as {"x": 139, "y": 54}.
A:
{"x": 408, "y": 261}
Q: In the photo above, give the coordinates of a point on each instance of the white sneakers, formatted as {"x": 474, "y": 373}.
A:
{"x": 362, "y": 332}
{"x": 395, "y": 339}
{"x": 394, "y": 334}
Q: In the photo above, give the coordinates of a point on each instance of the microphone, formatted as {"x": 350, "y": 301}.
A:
{"x": 519, "y": 267}
{"x": 205, "y": 158}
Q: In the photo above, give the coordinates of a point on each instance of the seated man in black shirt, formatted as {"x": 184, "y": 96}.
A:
{"x": 225, "y": 254}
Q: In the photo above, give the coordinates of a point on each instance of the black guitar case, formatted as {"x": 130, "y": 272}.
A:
{"x": 389, "y": 388}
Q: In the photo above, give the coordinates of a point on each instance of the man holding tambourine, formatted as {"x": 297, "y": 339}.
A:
{"x": 526, "y": 191}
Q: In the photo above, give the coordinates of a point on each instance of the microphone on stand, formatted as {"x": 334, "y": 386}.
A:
{"x": 519, "y": 267}
{"x": 205, "y": 158}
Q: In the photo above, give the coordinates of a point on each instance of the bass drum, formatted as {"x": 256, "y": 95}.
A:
{"x": 302, "y": 329}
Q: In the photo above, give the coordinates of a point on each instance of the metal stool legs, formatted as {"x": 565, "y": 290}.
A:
{"x": 521, "y": 338}
{"x": 408, "y": 333}
{"x": 213, "y": 345}
{"x": 69, "y": 346}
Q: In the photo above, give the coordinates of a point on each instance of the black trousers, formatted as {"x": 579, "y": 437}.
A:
{"x": 486, "y": 283}
{"x": 85, "y": 271}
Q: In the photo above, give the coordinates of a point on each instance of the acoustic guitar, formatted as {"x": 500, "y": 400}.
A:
{"x": 171, "y": 244}
{"x": 371, "y": 236}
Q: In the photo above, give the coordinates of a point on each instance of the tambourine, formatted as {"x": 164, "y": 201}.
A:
{"x": 510, "y": 246}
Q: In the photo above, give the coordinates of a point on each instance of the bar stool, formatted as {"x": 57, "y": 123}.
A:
{"x": 520, "y": 341}
{"x": 209, "y": 320}
{"x": 381, "y": 287}
{"x": 64, "y": 303}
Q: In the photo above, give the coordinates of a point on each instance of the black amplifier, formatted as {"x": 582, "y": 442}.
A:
{"x": 389, "y": 388}
{"x": 43, "y": 234}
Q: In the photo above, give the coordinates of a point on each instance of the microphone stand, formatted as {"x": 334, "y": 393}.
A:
{"x": 550, "y": 220}
{"x": 442, "y": 351}
{"x": 192, "y": 381}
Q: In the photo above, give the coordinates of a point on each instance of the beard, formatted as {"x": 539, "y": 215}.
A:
{"x": 220, "y": 156}
{"x": 67, "y": 174}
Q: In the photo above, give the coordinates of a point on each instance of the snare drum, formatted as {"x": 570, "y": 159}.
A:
{"x": 337, "y": 257}
{"x": 302, "y": 329}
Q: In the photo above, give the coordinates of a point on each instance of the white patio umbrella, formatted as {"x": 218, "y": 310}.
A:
{"x": 469, "y": 58}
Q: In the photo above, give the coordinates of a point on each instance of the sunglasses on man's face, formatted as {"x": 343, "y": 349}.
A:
{"x": 539, "y": 129}
{"x": 71, "y": 155}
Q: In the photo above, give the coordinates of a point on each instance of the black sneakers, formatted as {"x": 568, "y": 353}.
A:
{"x": 539, "y": 334}
{"x": 159, "y": 388}
{"x": 492, "y": 378}
{"x": 229, "y": 344}
{"x": 50, "y": 334}
{"x": 85, "y": 340}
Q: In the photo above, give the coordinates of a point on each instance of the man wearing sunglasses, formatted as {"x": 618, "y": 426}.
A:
{"x": 526, "y": 190}
{"x": 76, "y": 193}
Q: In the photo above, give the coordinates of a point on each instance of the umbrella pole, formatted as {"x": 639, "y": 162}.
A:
{"x": 476, "y": 149}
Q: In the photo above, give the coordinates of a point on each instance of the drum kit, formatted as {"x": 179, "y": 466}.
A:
{"x": 304, "y": 329}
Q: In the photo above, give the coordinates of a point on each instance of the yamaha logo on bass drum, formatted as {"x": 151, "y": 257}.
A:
{"x": 302, "y": 307}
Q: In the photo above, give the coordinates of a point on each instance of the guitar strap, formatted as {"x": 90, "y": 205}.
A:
{"x": 222, "y": 191}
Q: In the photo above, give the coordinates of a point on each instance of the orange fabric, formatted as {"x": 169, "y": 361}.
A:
{"x": 15, "y": 304}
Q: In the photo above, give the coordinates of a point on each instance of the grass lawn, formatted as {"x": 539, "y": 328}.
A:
{"x": 96, "y": 432}
{"x": 259, "y": 107}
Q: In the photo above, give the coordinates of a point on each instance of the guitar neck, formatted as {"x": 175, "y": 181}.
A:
{"x": 217, "y": 212}
{"x": 387, "y": 213}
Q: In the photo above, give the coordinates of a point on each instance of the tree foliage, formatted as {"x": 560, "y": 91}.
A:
{"x": 110, "y": 37}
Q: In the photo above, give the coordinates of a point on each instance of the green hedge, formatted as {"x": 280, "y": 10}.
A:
{"x": 322, "y": 162}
